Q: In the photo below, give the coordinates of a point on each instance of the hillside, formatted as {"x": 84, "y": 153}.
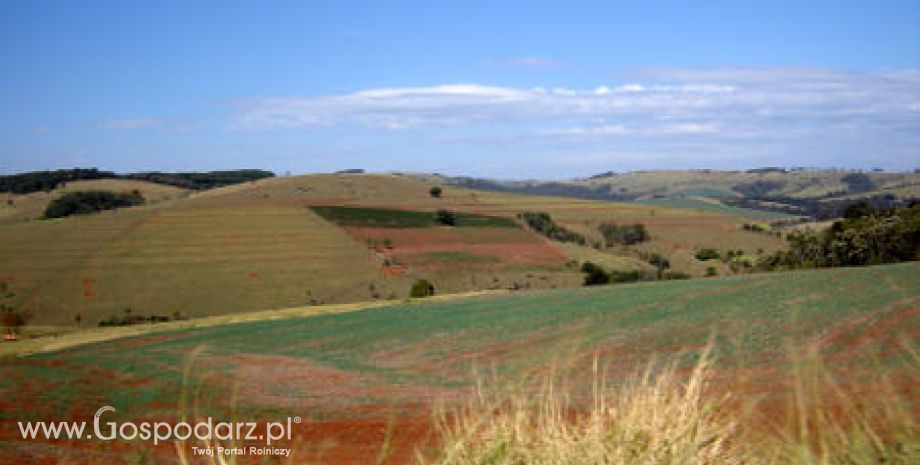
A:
{"x": 350, "y": 374}
{"x": 258, "y": 245}
{"x": 767, "y": 194}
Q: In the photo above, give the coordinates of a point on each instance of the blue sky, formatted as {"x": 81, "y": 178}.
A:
{"x": 501, "y": 89}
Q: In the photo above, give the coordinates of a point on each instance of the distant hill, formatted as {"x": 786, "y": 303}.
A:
{"x": 814, "y": 193}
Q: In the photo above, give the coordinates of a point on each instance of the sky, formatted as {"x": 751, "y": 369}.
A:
{"x": 516, "y": 89}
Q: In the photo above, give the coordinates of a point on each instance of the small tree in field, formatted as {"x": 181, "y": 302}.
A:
{"x": 422, "y": 288}
{"x": 435, "y": 192}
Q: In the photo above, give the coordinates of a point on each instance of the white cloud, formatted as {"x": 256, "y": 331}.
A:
{"x": 689, "y": 128}
{"x": 733, "y": 109}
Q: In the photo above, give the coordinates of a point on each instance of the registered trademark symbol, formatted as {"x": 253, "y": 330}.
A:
{"x": 297, "y": 420}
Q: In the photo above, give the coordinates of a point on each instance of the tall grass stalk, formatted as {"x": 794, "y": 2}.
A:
{"x": 665, "y": 416}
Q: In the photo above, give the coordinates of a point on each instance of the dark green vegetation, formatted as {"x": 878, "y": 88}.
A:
{"x": 595, "y": 275}
{"x": 866, "y": 236}
{"x": 422, "y": 288}
{"x": 389, "y": 218}
{"x": 203, "y": 180}
{"x": 707, "y": 254}
{"x": 446, "y": 217}
{"x": 627, "y": 235}
{"x": 542, "y": 223}
{"x": 435, "y": 192}
{"x": 434, "y": 344}
{"x": 86, "y": 202}
{"x": 37, "y": 181}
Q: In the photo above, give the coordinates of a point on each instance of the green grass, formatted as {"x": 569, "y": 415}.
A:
{"x": 717, "y": 207}
{"x": 753, "y": 315}
{"x": 392, "y": 218}
{"x": 434, "y": 346}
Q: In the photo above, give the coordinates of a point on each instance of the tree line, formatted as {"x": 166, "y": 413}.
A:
{"x": 867, "y": 235}
{"x": 38, "y": 181}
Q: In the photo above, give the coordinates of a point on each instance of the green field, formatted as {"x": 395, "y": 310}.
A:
{"x": 391, "y": 218}
{"x": 330, "y": 366}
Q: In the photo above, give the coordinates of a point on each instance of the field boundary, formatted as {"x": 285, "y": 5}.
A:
{"x": 47, "y": 344}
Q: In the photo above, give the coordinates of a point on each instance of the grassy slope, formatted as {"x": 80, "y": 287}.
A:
{"x": 716, "y": 183}
{"x": 342, "y": 367}
{"x": 256, "y": 246}
{"x": 32, "y": 206}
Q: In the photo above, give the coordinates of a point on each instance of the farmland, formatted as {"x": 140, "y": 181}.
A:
{"x": 261, "y": 245}
{"x": 349, "y": 373}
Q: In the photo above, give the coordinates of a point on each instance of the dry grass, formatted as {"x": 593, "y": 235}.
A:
{"x": 661, "y": 416}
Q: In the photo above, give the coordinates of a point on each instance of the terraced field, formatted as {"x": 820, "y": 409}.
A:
{"x": 350, "y": 375}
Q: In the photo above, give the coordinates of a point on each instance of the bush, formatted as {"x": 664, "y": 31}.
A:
{"x": 422, "y": 288}
{"x": 542, "y": 223}
{"x": 85, "y": 202}
{"x": 446, "y": 217}
{"x": 628, "y": 235}
{"x": 595, "y": 275}
{"x": 656, "y": 260}
{"x": 707, "y": 254}
{"x": 711, "y": 271}
{"x": 435, "y": 192}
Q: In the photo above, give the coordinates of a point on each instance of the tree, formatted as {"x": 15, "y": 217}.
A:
{"x": 435, "y": 192}
{"x": 594, "y": 275}
{"x": 446, "y": 217}
{"x": 707, "y": 254}
{"x": 422, "y": 288}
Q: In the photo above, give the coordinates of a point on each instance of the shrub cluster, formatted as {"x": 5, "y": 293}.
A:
{"x": 595, "y": 275}
{"x": 85, "y": 202}
{"x": 707, "y": 254}
{"x": 866, "y": 236}
{"x": 629, "y": 235}
{"x": 542, "y": 223}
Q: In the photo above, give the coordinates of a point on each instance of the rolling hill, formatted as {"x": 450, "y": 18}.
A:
{"x": 259, "y": 245}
